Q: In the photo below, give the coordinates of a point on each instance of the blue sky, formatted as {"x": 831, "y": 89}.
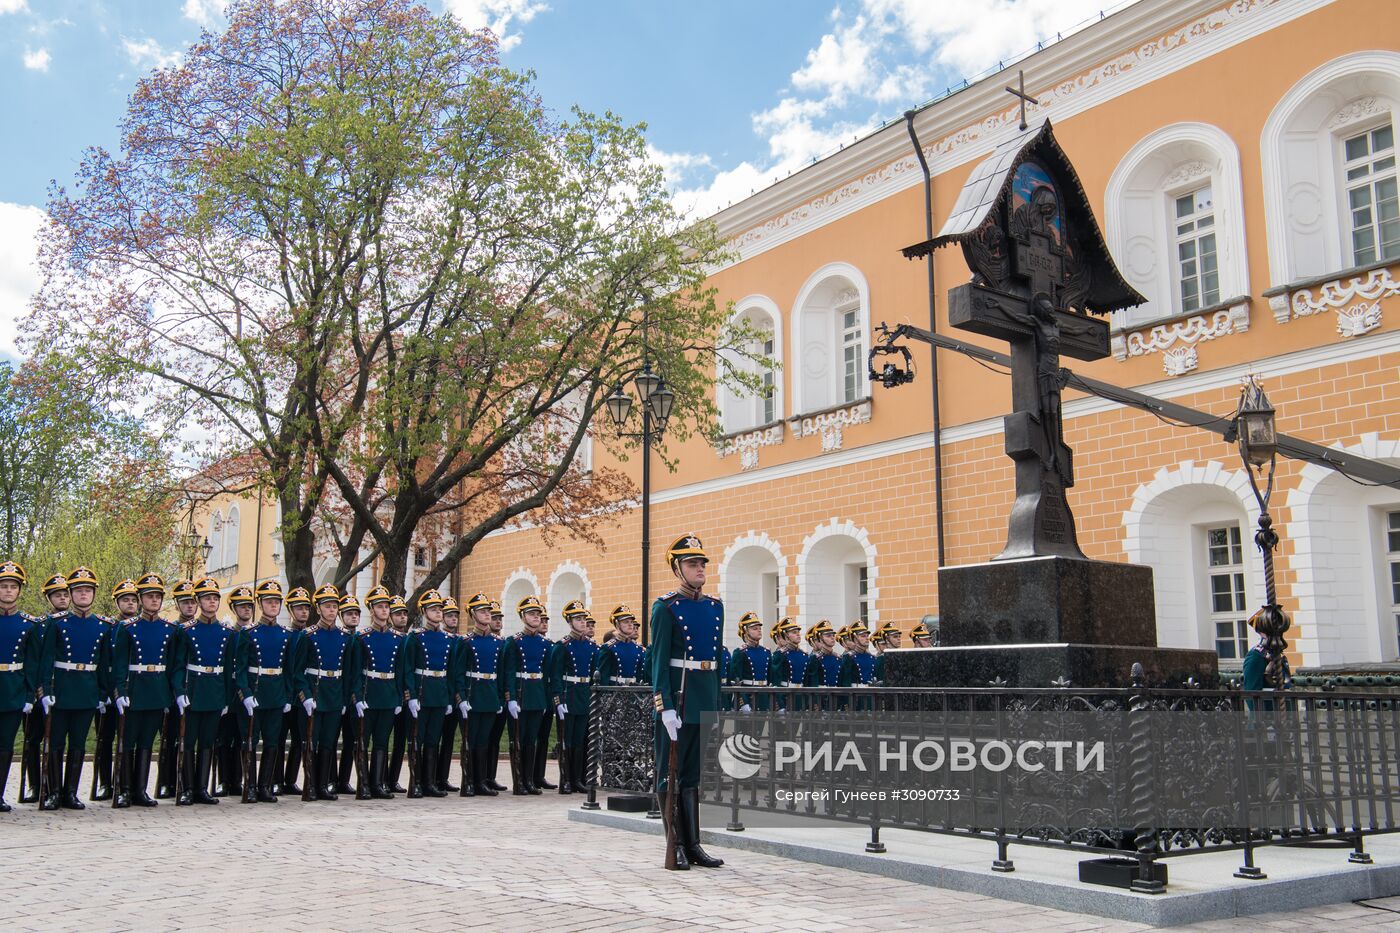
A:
{"x": 734, "y": 93}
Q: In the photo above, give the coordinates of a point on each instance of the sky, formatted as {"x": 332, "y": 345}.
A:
{"x": 735, "y": 93}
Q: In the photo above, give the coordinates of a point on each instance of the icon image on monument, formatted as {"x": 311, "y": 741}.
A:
{"x": 1041, "y": 612}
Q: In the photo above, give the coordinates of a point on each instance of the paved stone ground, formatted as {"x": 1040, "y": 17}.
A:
{"x": 505, "y": 863}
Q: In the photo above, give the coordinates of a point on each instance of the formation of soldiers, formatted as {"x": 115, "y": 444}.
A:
{"x": 244, "y": 707}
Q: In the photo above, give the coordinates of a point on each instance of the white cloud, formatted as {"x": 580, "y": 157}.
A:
{"x": 13, "y": 6}
{"x": 19, "y": 276}
{"x": 496, "y": 15}
{"x": 37, "y": 60}
{"x": 841, "y": 62}
{"x": 204, "y": 12}
{"x": 147, "y": 53}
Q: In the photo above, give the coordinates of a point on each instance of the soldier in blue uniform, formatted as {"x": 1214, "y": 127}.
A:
{"x": 319, "y": 680}
{"x": 351, "y": 716}
{"x": 687, "y": 630}
{"x": 748, "y": 665}
{"x": 148, "y": 667}
{"x": 857, "y": 664}
{"x": 430, "y": 678}
{"x": 921, "y": 636}
{"x": 482, "y": 693}
{"x": 788, "y": 666}
{"x": 382, "y": 687}
{"x": 229, "y": 761}
{"x": 498, "y": 727}
{"x": 571, "y": 666}
{"x": 889, "y": 638}
{"x": 55, "y": 590}
{"x": 73, "y": 674}
{"x": 124, "y": 597}
{"x": 523, "y": 689}
{"x": 621, "y": 661}
{"x": 538, "y": 779}
{"x": 288, "y": 752}
{"x": 452, "y": 722}
{"x": 208, "y": 668}
{"x": 20, "y": 654}
{"x": 183, "y": 594}
{"x": 403, "y": 721}
{"x": 262, "y": 685}
{"x": 824, "y": 665}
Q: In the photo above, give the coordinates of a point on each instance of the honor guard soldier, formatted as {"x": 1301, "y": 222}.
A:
{"x": 20, "y": 657}
{"x": 124, "y": 597}
{"x": 921, "y": 636}
{"x": 788, "y": 666}
{"x": 208, "y": 666}
{"x": 55, "y": 590}
{"x": 147, "y": 663}
{"x": 498, "y": 728}
{"x": 538, "y": 778}
{"x": 288, "y": 751}
{"x": 74, "y": 681}
{"x": 353, "y": 713}
{"x": 621, "y": 661}
{"x": 262, "y": 685}
{"x": 857, "y": 664}
{"x": 427, "y": 671}
{"x": 318, "y": 681}
{"x": 687, "y": 630}
{"x": 403, "y": 721}
{"x": 382, "y": 673}
{"x": 890, "y": 638}
{"x": 483, "y": 694}
{"x": 183, "y": 594}
{"x": 748, "y": 666}
{"x": 523, "y": 689}
{"x": 230, "y": 742}
{"x": 570, "y": 675}
{"x": 452, "y": 722}
{"x": 824, "y": 665}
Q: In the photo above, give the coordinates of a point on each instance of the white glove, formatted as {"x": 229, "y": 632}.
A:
{"x": 286, "y": 707}
{"x": 342, "y": 711}
{"x": 464, "y": 708}
{"x": 746, "y": 708}
{"x": 514, "y": 709}
{"x": 224, "y": 711}
{"x": 250, "y": 704}
{"x": 360, "y": 707}
{"x": 122, "y": 704}
{"x": 47, "y": 703}
{"x": 397, "y": 710}
{"x": 28, "y": 708}
{"x": 182, "y": 703}
{"x": 102, "y": 706}
{"x": 413, "y": 707}
{"x": 309, "y": 705}
{"x": 563, "y": 710}
{"x": 672, "y": 721}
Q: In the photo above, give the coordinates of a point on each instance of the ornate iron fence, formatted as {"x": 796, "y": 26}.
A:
{"x": 1305, "y": 767}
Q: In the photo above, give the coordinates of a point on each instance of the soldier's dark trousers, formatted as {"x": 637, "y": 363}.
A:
{"x": 165, "y": 767}
{"x": 102, "y": 753}
{"x": 228, "y": 757}
{"x": 527, "y": 733}
{"x": 349, "y": 736}
{"x": 574, "y": 734}
{"x": 287, "y": 753}
{"x": 67, "y": 745}
{"x": 542, "y": 750}
{"x": 324, "y": 733}
{"x": 33, "y": 740}
{"x": 267, "y": 725}
{"x": 201, "y": 740}
{"x": 692, "y": 743}
{"x": 430, "y": 722}
{"x": 402, "y": 723}
{"x": 9, "y": 727}
{"x": 378, "y": 723}
{"x": 142, "y": 726}
{"x": 451, "y": 725}
{"x": 493, "y": 757}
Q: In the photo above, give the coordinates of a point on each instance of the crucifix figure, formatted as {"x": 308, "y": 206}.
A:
{"x": 1021, "y": 93}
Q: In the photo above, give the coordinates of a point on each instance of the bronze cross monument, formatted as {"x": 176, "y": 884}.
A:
{"x": 1041, "y": 273}
{"x": 1021, "y": 93}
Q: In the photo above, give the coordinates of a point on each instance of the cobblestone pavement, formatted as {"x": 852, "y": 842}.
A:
{"x": 504, "y": 863}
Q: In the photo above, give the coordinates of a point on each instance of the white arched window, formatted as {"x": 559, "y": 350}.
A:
{"x": 741, "y": 411}
{"x": 1328, "y": 153}
{"x": 752, "y": 578}
{"x": 830, "y": 336}
{"x": 836, "y": 576}
{"x": 231, "y": 530}
{"x": 215, "y": 560}
{"x": 519, "y": 584}
{"x": 568, "y": 582}
{"x": 1174, "y": 221}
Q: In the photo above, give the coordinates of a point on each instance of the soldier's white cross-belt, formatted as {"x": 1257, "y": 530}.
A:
{"x": 265, "y": 671}
{"x": 74, "y": 666}
{"x": 752, "y": 683}
{"x": 528, "y": 676}
{"x": 624, "y": 680}
{"x": 478, "y": 675}
{"x": 695, "y": 665}
{"x": 424, "y": 672}
{"x": 146, "y": 668}
{"x": 571, "y": 679}
{"x": 5, "y": 668}
{"x": 201, "y": 669}
{"x": 317, "y": 672}
{"x": 376, "y": 675}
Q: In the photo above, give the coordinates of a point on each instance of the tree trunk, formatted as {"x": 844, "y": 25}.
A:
{"x": 298, "y": 544}
{"x": 395, "y": 571}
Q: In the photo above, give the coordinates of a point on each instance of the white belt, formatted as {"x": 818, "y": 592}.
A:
{"x": 477, "y": 675}
{"x": 426, "y": 673}
{"x": 200, "y": 669}
{"x": 147, "y": 668}
{"x": 316, "y": 672}
{"x": 74, "y": 666}
{"x": 695, "y": 665}
{"x": 575, "y": 680}
{"x": 529, "y": 676}
{"x": 18, "y": 666}
{"x": 265, "y": 671}
{"x": 751, "y": 683}
{"x": 375, "y": 675}
{"x": 625, "y": 680}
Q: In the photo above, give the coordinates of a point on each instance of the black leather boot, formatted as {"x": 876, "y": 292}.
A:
{"x": 142, "y": 775}
{"x": 444, "y": 769}
{"x": 122, "y": 768}
{"x": 347, "y": 763}
{"x": 29, "y": 756}
{"x": 165, "y": 764}
{"x": 266, "y": 778}
{"x": 566, "y": 783}
{"x": 529, "y": 757}
{"x": 4, "y": 779}
{"x": 690, "y": 824}
{"x": 468, "y": 773}
{"x": 377, "y": 766}
{"x": 676, "y": 833}
{"x": 202, "y": 764}
{"x": 578, "y": 757}
{"x": 288, "y": 763}
{"x": 416, "y": 781}
{"x": 52, "y": 800}
{"x": 325, "y": 773}
{"x": 72, "y": 778}
{"x": 480, "y": 782}
{"x": 431, "y": 787}
{"x": 537, "y": 777}
{"x": 396, "y": 764}
{"x": 102, "y": 766}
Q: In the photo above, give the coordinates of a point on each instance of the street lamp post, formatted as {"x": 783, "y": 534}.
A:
{"x": 1258, "y": 440}
{"x": 657, "y": 401}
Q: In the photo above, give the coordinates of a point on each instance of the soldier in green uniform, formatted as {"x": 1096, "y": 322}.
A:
{"x": 352, "y": 713}
{"x": 430, "y": 678}
{"x": 229, "y": 760}
{"x": 538, "y": 778}
{"x": 20, "y": 658}
{"x": 480, "y": 659}
{"x": 889, "y": 638}
{"x": 124, "y": 597}
{"x": 148, "y": 666}
{"x": 262, "y": 684}
{"x": 73, "y": 675}
{"x": 687, "y": 631}
{"x": 621, "y": 661}
{"x": 183, "y": 594}
{"x": 857, "y": 664}
{"x": 382, "y": 690}
{"x": 55, "y": 590}
{"x": 403, "y": 721}
{"x": 921, "y": 636}
{"x": 208, "y": 666}
{"x": 571, "y": 666}
{"x": 498, "y": 727}
{"x": 319, "y": 681}
{"x": 523, "y": 689}
{"x": 748, "y": 665}
{"x": 288, "y": 751}
{"x": 452, "y": 722}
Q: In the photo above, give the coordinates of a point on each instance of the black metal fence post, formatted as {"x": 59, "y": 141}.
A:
{"x": 595, "y": 744}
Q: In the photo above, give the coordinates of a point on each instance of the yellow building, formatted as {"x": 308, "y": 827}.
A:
{"x": 1241, "y": 160}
